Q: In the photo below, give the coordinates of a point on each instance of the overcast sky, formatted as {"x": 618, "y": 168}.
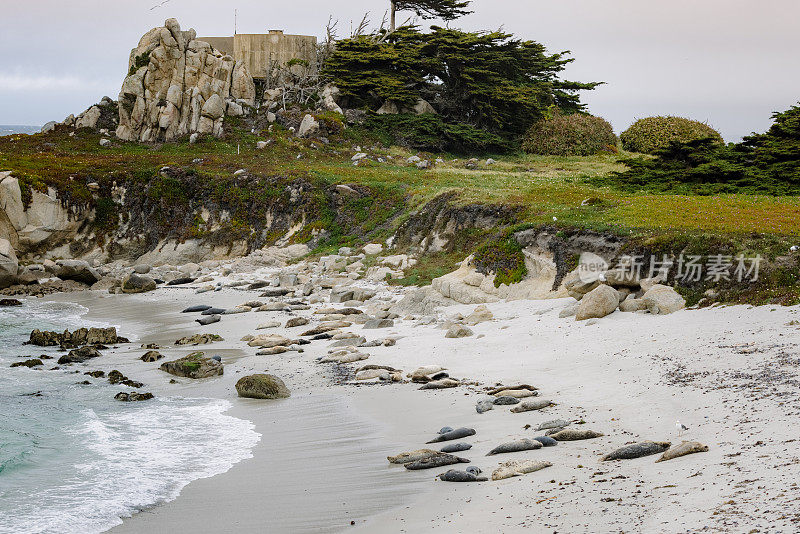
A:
{"x": 728, "y": 62}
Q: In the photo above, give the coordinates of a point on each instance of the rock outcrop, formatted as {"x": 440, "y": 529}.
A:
{"x": 178, "y": 86}
{"x": 195, "y": 365}
{"x": 9, "y": 266}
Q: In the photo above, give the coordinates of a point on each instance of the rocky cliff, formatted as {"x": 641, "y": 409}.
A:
{"x": 178, "y": 86}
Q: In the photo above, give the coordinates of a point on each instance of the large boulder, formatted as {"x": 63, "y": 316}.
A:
{"x": 81, "y": 336}
{"x": 9, "y": 266}
{"x": 599, "y": 302}
{"x": 309, "y": 127}
{"x": 79, "y": 355}
{"x": 262, "y": 386}
{"x": 137, "y": 283}
{"x": 177, "y": 86}
{"x": 195, "y": 365}
{"x": 77, "y": 270}
{"x": 661, "y": 299}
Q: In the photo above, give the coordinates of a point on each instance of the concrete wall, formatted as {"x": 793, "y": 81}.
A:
{"x": 263, "y": 49}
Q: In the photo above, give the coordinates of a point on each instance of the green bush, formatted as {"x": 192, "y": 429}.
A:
{"x": 578, "y": 134}
{"x": 502, "y": 256}
{"x": 656, "y": 133}
{"x": 431, "y": 133}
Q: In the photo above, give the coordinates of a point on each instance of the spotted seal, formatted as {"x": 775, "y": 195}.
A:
{"x": 484, "y": 406}
{"x": 454, "y": 475}
{"x": 531, "y": 404}
{"x": 458, "y": 433}
{"x": 412, "y": 456}
{"x": 506, "y": 400}
{"x": 637, "y": 450}
{"x": 195, "y": 309}
{"x": 439, "y": 460}
{"x": 211, "y": 319}
{"x": 573, "y": 434}
{"x": 553, "y": 423}
{"x": 445, "y": 430}
{"x": 456, "y": 447}
{"x": 686, "y": 447}
{"x": 515, "y": 468}
{"x": 546, "y": 441}
{"x": 519, "y": 445}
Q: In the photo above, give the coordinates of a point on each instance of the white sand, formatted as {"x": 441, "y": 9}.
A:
{"x": 629, "y": 376}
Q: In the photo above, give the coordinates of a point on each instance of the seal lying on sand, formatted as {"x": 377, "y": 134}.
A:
{"x": 456, "y": 447}
{"x": 516, "y": 446}
{"x": 531, "y": 404}
{"x": 445, "y": 383}
{"x": 637, "y": 450}
{"x": 195, "y": 309}
{"x": 211, "y": 319}
{"x": 412, "y": 456}
{"x": 572, "y": 434}
{"x": 554, "y": 423}
{"x": 500, "y": 391}
{"x": 461, "y": 476}
{"x": 484, "y": 406}
{"x": 686, "y": 447}
{"x": 506, "y": 400}
{"x": 439, "y": 460}
{"x": 458, "y": 433}
{"x": 546, "y": 441}
{"x": 515, "y": 468}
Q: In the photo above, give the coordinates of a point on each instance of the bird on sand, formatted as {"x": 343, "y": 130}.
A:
{"x": 681, "y": 427}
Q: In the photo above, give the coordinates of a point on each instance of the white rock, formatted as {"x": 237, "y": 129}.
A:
{"x": 372, "y": 249}
{"x": 599, "y": 302}
{"x": 661, "y": 299}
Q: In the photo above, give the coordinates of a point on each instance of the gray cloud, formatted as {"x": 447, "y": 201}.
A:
{"x": 729, "y": 62}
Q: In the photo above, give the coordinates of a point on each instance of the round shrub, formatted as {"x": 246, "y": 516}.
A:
{"x": 656, "y": 133}
{"x": 570, "y": 135}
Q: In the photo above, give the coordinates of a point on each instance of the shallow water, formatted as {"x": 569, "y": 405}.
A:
{"x": 74, "y": 460}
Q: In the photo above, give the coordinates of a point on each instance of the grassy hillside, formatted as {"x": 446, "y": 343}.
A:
{"x": 543, "y": 186}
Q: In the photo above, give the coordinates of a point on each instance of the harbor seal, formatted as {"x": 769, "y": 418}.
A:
{"x": 454, "y": 475}
{"x": 439, "y": 460}
{"x": 573, "y": 434}
{"x": 506, "y": 400}
{"x": 412, "y": 456}
{"x": 686, "y": 447}
{"x": 517, "y": 393}
{"x": 456, "y": 447}
{"x": 213, "y": 311}
{"x": 531, "y": 404}
{"x": 515, "y": 468}
{"x": 546, "y": 441}
{"x": 211, "y": 319}
{"x": 516, "y": 446}
{"x": 498, "y": 391}
{"x": 484, "y": 406}
{"x": 195, "y": 309}
{"x": 445, "y": 429}
{"x": 458, "y": 433}
{"x": 637, "y": 450}
{"x": 445, "y": 383}
{"x": 474, "y": 469}
{"x": 553, "y": 423}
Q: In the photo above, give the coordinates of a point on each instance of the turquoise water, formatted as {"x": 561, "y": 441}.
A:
{"x": 74, "y": 460}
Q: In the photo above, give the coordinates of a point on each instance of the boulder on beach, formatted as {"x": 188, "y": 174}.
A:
{"x": 661, "y": 300}
{"x": 195, "y": 365}
{"x": 137, "y": 283}
{"x": 199, "y": 339}
{"x": 77, "y": 270}
{"x": 262, "y": 386}
{"x": 9, "y": 265}
{"x": 151, "y": 356}
{"x": 458, "y": 331}
{"x": 597, "y": 303}
{"x": 133, "y": 396}
{"x": 80, "y": 337}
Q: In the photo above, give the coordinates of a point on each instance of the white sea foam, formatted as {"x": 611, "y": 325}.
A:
{"x": 134, "y": 459}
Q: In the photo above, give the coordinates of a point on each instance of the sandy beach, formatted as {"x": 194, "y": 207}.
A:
{"x": 727, "y": 373}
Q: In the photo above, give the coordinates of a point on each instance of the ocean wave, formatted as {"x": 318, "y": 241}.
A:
{"x": 133, "y": 459}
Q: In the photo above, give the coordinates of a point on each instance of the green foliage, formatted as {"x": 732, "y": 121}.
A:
{"x": 570, "y": 135}
{"x": 432, "y": 134}
{"x": 654, "y": 133}
{"x": 488, "y": 80}
{"x": 503, "y": 257}
{"x": 777, "y": 152}
{"x": 106, "y": 213}
{"x": 139, "y": 62}
{"x": 767, "y": 163}
{"x": 430, "y": 9}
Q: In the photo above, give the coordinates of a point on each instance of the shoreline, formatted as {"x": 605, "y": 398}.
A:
{"x": 629, "y": 376}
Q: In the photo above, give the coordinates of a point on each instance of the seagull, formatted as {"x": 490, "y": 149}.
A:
{"x": 158, "y": 5}
{"x": 681, "y": 427}
{"x": 794, "y": 248}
